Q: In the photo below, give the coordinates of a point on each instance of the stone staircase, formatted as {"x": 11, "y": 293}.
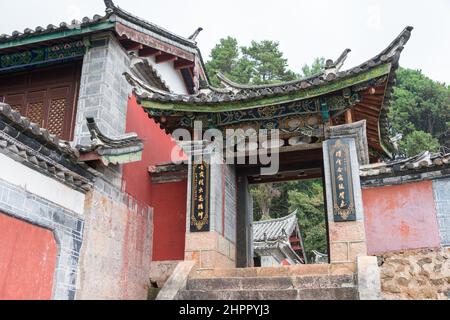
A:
{"x": 302, "y": 282}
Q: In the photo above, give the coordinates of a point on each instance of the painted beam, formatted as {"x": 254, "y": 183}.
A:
{"x": 152, "y": 42}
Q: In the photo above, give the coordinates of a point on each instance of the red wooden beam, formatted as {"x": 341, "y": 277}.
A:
{"x": 165, "y": 57}
{"x": 148, "y": 52}
{"x": 91, "y": 156}
{"x": 183, "y": 64}
{"x": 131, "y": 46}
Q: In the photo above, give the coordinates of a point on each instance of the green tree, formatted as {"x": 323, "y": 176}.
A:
{"x": 420, "y": 106}
{"x": 263, "y": 195}
{"x": 418, "y": 141}
{"x": 307, "y": 199}
{"x": 269, "y": 65}
{"x": 226, "y": 58}
{"x": 316, "y": 67}
{"x": 260, "y": 63}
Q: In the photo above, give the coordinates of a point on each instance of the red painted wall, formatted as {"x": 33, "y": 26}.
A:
{"x": 167, "y": 200}
{"x": 27, "y": 260}
{"x": 400, "y": 217}
{"x": 169, "y": 203}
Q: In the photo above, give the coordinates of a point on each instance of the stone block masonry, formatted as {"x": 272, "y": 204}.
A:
{"x": 103, "y": 91}
{"x": 416, "y": 274}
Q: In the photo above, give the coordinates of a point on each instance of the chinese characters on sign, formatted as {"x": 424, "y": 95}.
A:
{"x": 341, "y": 181}
{"x": 200, "y": 197}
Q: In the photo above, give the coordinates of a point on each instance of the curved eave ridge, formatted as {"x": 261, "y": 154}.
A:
{"x": 152, "y": 98}
{"x": 235, "y": 96}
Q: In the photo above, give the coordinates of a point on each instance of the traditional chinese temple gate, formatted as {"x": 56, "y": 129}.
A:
{"x": 328, "y": 125}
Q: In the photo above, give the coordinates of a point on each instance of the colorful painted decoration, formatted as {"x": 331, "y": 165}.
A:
{"x": 341, "y": 180}
{"x": 42, "y": 55}
{"x": 200, "y": 197}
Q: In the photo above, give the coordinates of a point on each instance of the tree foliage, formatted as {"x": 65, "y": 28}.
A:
{"x": 260, "y": 63}
{"x": 420, "y": 111}
{"x": 315, "y": 68}
{"x": 307, "y": 199}
{"x": 263, "y": 196}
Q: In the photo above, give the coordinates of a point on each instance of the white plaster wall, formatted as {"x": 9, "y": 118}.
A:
{"x": 41, "y": 185}
{"x": 170, "y": 75}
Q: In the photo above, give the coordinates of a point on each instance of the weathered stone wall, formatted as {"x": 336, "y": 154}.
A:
{"x": 416, "y": 274}
{"x": 116, "y": 253}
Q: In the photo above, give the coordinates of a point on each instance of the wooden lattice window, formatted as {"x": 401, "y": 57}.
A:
{"x": 56, "y": 116}
{"x": 47, "y": 96}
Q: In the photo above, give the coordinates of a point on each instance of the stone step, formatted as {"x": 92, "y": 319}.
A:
{"x": 288, "y": 294}
{"x": 271, "y": 283}
{"x": 300, "y": 270}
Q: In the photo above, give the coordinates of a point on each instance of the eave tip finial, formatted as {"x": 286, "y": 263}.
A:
{"x": 109, "y": 4}
{"x": 195, "y": 34}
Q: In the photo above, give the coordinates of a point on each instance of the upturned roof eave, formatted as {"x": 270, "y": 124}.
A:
{"x": 235, "y": 105}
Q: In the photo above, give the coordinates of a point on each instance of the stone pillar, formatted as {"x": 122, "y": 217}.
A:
{"x": 212, "y": 244}
{"x": 343, "y": 191}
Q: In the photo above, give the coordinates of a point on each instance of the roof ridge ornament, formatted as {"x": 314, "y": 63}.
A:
{"x": 335, "y": 66}
{"x": 195, "y": 34}
{"x": 110, "y": 6}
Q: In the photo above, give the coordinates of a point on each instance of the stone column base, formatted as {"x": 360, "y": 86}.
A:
{"x": 210, "y": 250}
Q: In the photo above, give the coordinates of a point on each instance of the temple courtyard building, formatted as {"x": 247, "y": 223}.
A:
{"x": 124, "y": 174}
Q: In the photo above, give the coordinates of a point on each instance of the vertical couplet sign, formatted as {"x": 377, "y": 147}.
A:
{"x": 341, "y": 181}
{"x": 200, "y": 197}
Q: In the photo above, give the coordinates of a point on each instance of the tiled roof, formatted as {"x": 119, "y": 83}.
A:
{"x": 111, "y": 10}
{"x": 424, "y": 161}
{"x": 276, "y": 229}
{"x": 238, "y": 93}
{"x": 36, "y": 148}
{"x": 51, "y": 28}
{"x": 121, "y": 149}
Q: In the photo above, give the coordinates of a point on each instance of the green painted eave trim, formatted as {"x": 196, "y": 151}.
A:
{"x": 296, "y": 96}
{"x": 123, "y": 158}
{"x": 36, "y": 38}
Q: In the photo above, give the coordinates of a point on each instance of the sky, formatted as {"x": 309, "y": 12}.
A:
{"x": 305, "y": 29}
